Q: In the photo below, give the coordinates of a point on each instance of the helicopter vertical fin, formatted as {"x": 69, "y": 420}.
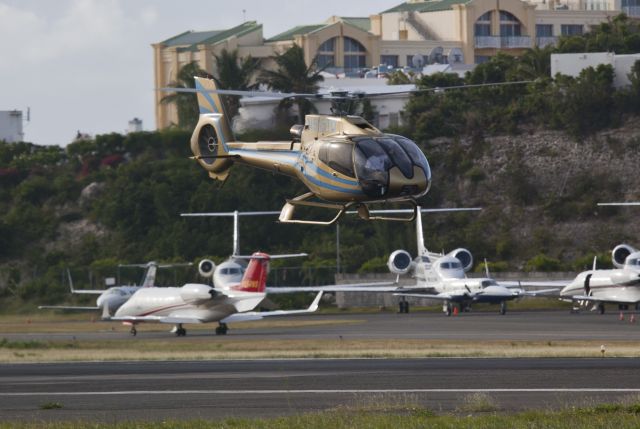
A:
{"x": 211, "y": 102}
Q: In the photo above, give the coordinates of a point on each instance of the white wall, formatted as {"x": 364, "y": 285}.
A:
{"x": 573, "y": 64}
{"x": 11, "y": 126}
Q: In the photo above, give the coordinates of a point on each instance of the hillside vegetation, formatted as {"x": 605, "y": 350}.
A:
{"x": 537, "y": 157}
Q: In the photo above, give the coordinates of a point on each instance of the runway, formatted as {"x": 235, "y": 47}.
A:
{"x": 475, "y": 326}
{"x": 118, "y": 391}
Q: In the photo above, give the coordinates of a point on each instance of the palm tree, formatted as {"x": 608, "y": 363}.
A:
{"x": 186, "y": 103}
{"x": 293, "y": 75}
{"x": 235, "y": 73}
{"x": 535, "y": 63}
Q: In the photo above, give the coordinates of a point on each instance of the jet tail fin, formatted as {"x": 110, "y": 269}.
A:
{"x": 255, "y": 277}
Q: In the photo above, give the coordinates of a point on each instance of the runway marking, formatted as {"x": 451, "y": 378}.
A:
{"x": 323, "y": 391}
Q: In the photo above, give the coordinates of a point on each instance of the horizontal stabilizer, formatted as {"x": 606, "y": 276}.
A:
{"x": 356, "y": 287}
{"x": 257, "y": 315}
{"x": 64, "y": 307}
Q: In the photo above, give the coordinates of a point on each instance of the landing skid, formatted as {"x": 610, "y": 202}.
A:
{"x": 287, "y": 212}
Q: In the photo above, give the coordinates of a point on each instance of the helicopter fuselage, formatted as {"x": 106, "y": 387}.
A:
{"x": 343, "y": 159}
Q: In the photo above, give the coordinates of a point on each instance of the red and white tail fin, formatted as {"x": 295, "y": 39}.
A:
{"x": 255, "y": 277}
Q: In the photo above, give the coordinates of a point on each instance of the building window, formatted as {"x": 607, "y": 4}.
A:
{"x": 326, "y": 53}
{"x": 571, "y": 29}
{"x": 479, "y": 59}
{"x": 509, "y": 25}
{"x": 389, "y": 60}
{"x": 403, "y": 35}
{"x": 355, "y": 56}
{"x": 544, "y": 30}
{"x": 483, "y": 25}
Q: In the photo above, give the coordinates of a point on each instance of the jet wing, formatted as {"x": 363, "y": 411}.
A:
{"x": 257, "y": 315}
{"x": 355, "y": 287}
{"x": 65, "y": 307}
{"x": 89, "y": 291}
{"x": 559, "y": 284}
{"x": 160, "y": 319}
{"x": 440, "y": 296}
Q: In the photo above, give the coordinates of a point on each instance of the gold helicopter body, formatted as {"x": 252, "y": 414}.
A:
{"x": 343, "y": 160}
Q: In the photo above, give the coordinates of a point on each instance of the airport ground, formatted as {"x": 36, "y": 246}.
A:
{"x": 534, "y": 359}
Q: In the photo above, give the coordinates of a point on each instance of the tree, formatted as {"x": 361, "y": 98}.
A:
{"x": 235, "y": 73}
{"x": 293, "y": 75}
{"x": 535, "y": 63}
{"x": 186, "y": 103}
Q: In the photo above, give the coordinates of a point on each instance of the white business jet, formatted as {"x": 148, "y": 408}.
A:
{"x": 110, "y": 299}
{"x": 201, "y": 303}
{"x": 438, "y": 276}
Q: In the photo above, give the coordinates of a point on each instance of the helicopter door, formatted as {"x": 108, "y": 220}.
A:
{"x": 338, "y": 156}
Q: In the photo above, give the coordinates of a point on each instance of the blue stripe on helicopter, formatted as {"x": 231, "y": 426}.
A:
{"x": 294, "y": 162}
{"x": 207, "y": 96}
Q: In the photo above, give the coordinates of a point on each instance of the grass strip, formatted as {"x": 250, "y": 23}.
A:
{"x": 391, "y": 416}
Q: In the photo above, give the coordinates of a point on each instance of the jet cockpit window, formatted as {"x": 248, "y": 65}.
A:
{"x": 635, "y": 261}
{"x": 425, "y": 259}
{"x": 486, "y": 283}
{"x": 456, "y": 265}
{"x": 338, "y": 156}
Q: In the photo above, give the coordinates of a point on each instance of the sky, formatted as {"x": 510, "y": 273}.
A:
{"x": 87, "y": 65}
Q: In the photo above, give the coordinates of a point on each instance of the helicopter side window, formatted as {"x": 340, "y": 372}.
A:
{"x": 415, "y": 154}
{"x": 398, "y": 156}
{"x": 338, "y": 156}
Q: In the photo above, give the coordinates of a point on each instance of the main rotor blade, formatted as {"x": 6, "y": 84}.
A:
{"x": 446, "y": 88}
{"x": 268, "y": 94}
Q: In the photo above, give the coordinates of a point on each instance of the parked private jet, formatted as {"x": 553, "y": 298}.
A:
{"x": 110, "y": 299}
{"x": 619, "y": 286}
{"x": 438, "y": 276}
{"x": 201, "y": 303}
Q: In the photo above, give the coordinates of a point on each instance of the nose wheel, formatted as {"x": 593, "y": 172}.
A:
{"x": 133, "y": 331}
{"x": 179, "y": 330}
{"x": 222, "y": 329}
{"x": 503, "y": 308}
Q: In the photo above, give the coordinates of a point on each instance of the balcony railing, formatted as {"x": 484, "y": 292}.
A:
{"x": 633, "y": 11}
{"x": 503, "y": 42}
{"x": 487, "y": 42}
{"x": 541, "y": 42}
{"x": 515, "y": 42}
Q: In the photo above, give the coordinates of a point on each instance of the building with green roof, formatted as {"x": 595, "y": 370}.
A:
{"x": 412, "y": 34}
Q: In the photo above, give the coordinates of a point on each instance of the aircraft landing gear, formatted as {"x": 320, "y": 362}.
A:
{"x": 133, "y": 331}
{"x": 179, "y": 330}
{"x": 222, "y": 329}
{"x": 447, "y": 309}
{"x": 403, "y": 307}
{"x": 600, "y": 308}
{"x": 503, "y": 307}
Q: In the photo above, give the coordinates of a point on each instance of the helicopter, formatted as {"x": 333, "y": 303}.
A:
{"x": 343, "y": 160}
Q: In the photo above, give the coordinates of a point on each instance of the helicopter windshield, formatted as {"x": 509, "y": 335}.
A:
{"x": 374, "y": 157}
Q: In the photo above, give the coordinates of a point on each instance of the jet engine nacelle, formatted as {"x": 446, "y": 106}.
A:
{"x": 206, "y": 267}
{"x": 620, "y": 253}
{"x": 464, "y": 256}
{"x": 196, "y": 292}
{"x": 400, "y": 262}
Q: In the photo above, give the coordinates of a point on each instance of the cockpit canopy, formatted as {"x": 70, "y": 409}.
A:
{"x": 371, "y": 158}
{"x": 633, "y": 260}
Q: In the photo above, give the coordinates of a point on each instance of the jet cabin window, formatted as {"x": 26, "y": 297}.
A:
{"x": 338, "y": 156}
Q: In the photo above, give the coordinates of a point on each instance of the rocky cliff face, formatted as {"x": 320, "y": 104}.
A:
{"x": 540, "y": 191}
